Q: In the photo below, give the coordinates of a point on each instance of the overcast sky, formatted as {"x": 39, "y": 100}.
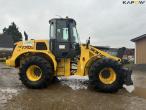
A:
{"x": 108, "y": 22}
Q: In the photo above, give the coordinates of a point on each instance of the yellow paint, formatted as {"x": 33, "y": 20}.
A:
{"x": 31, "y": 75}
{"x": 90, "y": 55}
{"x": 20, "y": 49}
{"x": 84, "y": 57}
{"x": 62, "y": 67}
{"x": 112, "y": 77}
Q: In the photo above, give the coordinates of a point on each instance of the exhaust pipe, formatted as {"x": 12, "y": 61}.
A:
{"x": 26, "y": 36}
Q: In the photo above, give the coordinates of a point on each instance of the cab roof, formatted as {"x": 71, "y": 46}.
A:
{"x": 67, "y": 19}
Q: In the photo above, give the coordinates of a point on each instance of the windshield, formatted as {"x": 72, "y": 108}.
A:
{"x": 74, "y": 34}
{"x": 66, "y": 31}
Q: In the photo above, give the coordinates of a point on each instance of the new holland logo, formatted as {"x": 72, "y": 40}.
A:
{"x": 134, "y": 2}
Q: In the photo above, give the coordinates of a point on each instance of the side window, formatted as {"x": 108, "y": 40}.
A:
{"x": 41, "y": 46}
{"x": 75, "y": 35}
{"x": 52, "y": 31}
{"x": 65, "y": 34}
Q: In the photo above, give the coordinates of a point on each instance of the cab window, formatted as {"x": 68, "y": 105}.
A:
{"x": 62, "y": 31}
{"x": 52, "y": 31}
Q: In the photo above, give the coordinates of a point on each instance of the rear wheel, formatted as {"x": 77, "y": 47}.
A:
{"x": 105, "y": 75}
{"x": 36, "y": 72}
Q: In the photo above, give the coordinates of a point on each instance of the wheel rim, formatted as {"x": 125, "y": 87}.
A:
{"x": 107, "y": 75}
{"x": 34, "y": 73}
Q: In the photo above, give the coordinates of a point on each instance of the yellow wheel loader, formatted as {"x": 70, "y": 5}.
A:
{"x": 40, "y": 61}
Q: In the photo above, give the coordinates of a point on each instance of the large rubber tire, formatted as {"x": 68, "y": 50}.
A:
{"x": 95, "y": 70}
{"x": 44, "y": 65}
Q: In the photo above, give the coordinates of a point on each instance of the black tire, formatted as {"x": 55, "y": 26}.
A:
{"x": 95, "y": 70}
{"x": 44, "y": 65}
{"x": 55, "y": 80}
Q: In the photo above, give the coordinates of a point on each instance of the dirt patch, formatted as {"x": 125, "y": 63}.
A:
{"x": 139, "y": 67}
{"x": 141, "y": 92}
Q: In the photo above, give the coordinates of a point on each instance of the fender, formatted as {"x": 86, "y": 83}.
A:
{"x": 12, "y": 61}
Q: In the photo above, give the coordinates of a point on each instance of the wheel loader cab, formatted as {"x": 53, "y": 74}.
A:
{"x": 64, "y": 41}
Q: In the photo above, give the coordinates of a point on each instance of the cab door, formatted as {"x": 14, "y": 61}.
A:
{"x": 59, "y": 39}
{"x": 64, "y": 38}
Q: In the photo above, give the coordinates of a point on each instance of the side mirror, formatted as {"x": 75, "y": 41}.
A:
{"x": 88, "y": 43}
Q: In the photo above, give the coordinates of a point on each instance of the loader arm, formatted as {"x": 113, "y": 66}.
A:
{"x": 101, "y": 53}
{"x": 89, "y": 55}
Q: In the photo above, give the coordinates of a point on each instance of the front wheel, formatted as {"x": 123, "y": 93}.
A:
{"x": 105, "y": 75}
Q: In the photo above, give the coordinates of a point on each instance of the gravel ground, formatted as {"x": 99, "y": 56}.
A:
{"x": 69, "y": 94}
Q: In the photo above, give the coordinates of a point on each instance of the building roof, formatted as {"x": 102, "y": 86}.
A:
{"x": 138, "y": 38}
